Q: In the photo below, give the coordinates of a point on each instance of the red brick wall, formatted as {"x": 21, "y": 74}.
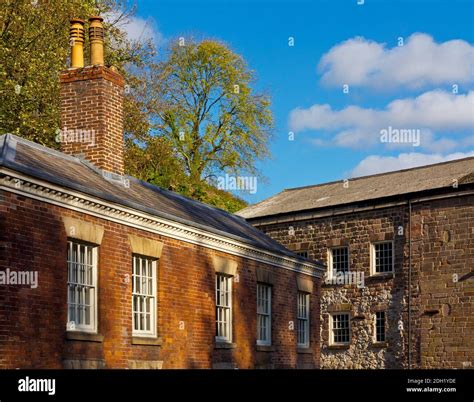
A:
{"x": 33, "y": 321}
{"x": 92, "y": 99}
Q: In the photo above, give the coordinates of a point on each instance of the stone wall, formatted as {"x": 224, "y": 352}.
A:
{"x": 447, "y": 283}
{"x": 442, "y": 312}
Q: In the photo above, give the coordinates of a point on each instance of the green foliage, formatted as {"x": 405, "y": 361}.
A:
{"x": 154, "y": 161}
{"x": 188, "y": 116}
{"x": 206, "y": 107}
{"x": 221, "y": 199}
{"x": 203, "y": 112}
{"x": 33, "y": 49}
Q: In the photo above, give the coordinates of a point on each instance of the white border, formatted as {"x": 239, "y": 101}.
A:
{"x": 331, "y": 332}
{"x": 372, "y": 259}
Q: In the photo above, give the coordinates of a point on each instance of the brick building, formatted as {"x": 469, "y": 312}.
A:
{"x": 100, "y": 270}
{"x": 399, "y": 247}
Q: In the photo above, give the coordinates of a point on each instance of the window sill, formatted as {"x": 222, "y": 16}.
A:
{"x": 141, "y": 340}
{"x": 84, "y": 336}
{"x": 225, "y": 345}
{"x": 264, "y": 348}
{"x": 339, "y": 347}
{"x": 380, "y": 344}
{"x": 304, "y": 350}
{"x": 341, "y": 285}
{"x": 383, "y": 275}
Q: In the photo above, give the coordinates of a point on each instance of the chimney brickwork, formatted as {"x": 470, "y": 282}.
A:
{"x": 92, "y": 115}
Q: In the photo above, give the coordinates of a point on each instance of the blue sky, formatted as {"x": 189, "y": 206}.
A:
{"x": 427, "y": 84}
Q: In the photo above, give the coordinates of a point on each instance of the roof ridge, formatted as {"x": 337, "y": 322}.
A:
{"x": 376, "y": 174}
{"x": 42, "y": 147}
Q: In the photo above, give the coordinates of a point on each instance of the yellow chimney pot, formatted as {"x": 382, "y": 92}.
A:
{"x": 96, "y": 37}
{"x": 76, "y": 40}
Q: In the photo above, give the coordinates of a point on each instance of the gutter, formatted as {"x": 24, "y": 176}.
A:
{"x": 352, "y": 208}
{"x": 50, "y": 193}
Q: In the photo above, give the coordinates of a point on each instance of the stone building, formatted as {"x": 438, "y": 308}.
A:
{"x": 399, "y": 248}
{"x": 99, "y": 269}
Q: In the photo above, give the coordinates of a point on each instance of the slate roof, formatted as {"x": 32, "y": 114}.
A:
{"x": 73, "y": 173}
{"x": 364, "y": 189}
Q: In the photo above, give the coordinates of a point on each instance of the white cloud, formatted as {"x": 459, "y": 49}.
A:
{"x": 356, "y": 127}
{"x": 380, "y": 164}
{"x": 420, "y": 62}
{"x": 137, "y": 29}
{"x": 140, "y": 29}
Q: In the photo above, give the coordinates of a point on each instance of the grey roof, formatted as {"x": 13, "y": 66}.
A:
{"x": 364, "y": 189}
{"x": 73, "y": 173}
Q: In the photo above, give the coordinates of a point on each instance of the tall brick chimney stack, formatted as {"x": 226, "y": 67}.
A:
{"x": 92, "y": 102}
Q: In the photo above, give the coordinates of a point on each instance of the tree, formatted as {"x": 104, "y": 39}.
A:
{"x": 154, "y": 161}
{"x": 34, "y": 47}
{"x": 31, "y": 55}
{"x": 205, "y": 106}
